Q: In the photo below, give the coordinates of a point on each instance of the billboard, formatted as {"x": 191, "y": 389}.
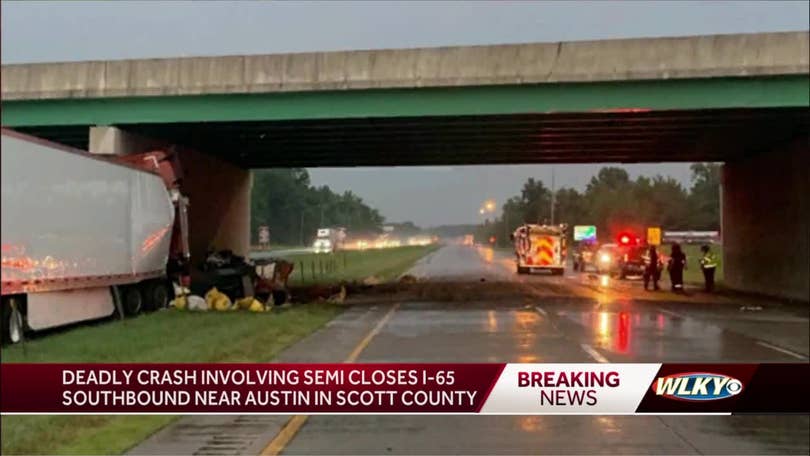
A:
{"x": 584, "y": 233}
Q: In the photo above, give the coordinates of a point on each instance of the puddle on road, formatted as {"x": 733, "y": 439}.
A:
{"x": 649, "y": 335}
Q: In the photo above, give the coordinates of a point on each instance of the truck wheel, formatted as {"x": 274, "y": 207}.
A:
{"x": 133, "y": 301}
{"x": 13, "y": 324}
{"x": 156, "y": 293}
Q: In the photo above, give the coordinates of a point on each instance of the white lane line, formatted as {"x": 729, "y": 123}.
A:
{"x": 782, "y": 350}
{"x": 594, "y": 354}
{"x": 541, "y": 311}
{"x": 671, "y": 313}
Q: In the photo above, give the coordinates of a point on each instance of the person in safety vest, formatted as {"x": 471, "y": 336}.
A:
{"x": 708, "y": 264}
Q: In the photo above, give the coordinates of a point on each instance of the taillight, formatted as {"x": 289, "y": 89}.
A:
{"x": 625, "y": 258}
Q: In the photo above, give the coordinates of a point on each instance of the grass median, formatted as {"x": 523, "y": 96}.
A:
{"x": 168, "y": 336}
{"x": 355, "y": 265}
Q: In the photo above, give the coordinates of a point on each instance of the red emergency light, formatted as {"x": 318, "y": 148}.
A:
{"x": 628, "y": 239}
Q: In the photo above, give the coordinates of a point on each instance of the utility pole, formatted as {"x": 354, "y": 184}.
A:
{"x": 506, "y": 224}
{"x": 301, "y": 229}
{"x": 321, "y": 215}
{"x": 553, "y": 195}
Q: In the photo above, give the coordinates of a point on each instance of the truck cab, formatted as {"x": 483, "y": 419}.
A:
{"x": 329, "y": 240}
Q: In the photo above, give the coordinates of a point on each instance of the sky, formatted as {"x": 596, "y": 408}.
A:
{"x": 71, "y": 31}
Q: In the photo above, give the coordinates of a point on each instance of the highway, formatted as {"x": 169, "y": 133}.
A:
{"x": 537, "y": 318}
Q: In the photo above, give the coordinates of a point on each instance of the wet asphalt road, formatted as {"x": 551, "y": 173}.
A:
{"x": 553, "y": 319}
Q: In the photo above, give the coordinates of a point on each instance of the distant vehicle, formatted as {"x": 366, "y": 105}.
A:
{"x": 419, "y": 240}
{"x": 469, "y": 239}
{"x": 329, "y": 240}
{"x": 540, "y": 248}
{"x": 585, "y": 256}
{"x": 623, "y": 259}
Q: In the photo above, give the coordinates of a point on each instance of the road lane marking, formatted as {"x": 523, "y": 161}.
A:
{"x": 541, "y": 311}
{"x": 367, "y": 340}
{"x": 594, "y": 354}
{"x": 291, "y": 428}
{"x": 672, "y": 314}
{"x": 782, "y": 350}
{"x": 284, "y": 437}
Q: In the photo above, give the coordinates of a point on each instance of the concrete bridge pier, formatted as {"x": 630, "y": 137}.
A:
{"x": 219, "y": 192}
{"x": 766, "y": 221}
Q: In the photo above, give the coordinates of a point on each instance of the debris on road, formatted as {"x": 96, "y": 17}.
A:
{"x": 750, "y": 308}
{"x": 372, "y": 280}
{"x": 339, "y": 297}
{"x": 407, "y": 278}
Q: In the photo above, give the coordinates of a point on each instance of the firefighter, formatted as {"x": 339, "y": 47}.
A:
{"x": 708, "y": 264}
{"x": 651, "y": 271}
{"x": 677, "y": 263}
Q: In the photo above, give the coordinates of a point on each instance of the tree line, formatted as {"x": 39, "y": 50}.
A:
{"x": 293, "y": 209}
{"x": 613, "y": 203}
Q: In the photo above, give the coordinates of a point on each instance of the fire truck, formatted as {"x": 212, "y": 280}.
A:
{"x": 540, "y": 248}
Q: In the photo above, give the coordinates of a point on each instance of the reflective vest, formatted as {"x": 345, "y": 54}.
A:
{"x": 708, "y": 261}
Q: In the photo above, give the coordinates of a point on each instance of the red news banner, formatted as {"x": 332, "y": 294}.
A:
{"x": 404, "y": 388}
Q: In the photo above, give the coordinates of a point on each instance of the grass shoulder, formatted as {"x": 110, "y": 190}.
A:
{"x": 168, "y": 336}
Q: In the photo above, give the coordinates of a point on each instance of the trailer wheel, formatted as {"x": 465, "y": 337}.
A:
{"x": 133, "y": 301}
{"x": 156, "y": 293}
{"x": 13, "y": 324}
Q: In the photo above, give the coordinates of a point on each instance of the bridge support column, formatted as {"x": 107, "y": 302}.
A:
{"x": 766, "y": 222}
{"x": 219, "y": 193}
{"x": 219, "y": 216}
{"x": 114, "y": 141}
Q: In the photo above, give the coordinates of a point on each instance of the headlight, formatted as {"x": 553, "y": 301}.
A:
{"x": 604, "y": 258}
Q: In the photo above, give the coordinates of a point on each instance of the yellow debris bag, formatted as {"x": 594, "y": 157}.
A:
{"x": 180, "y": 302}
{"x": 244, "y": 303}
{"x": 257, "y": 306}
{"x": 217, "y": 300}
{"x": 251, "y": 304}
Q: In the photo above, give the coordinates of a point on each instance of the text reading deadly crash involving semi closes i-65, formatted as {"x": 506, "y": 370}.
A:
{"x": 275, "y": 395}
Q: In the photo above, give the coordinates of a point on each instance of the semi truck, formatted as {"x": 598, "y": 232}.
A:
{"x": 540, "y": 248}
{"x": 84, "y": 235}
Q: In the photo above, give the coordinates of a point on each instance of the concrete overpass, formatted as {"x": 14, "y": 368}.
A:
{"x": 741, "y": 99}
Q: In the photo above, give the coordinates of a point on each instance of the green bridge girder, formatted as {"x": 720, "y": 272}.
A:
{"x": 674, "y": 94}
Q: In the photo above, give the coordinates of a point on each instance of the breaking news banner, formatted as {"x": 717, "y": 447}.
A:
{"x": 512, "y": 389}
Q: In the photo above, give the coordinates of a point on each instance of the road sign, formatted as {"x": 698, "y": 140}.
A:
{"x": 264, "y": 235}
{"x": 654, "y": 235}
{"x": 584, "y": 233}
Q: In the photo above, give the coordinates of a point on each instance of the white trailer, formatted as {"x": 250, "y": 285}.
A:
{"x": 82, "y": 236}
